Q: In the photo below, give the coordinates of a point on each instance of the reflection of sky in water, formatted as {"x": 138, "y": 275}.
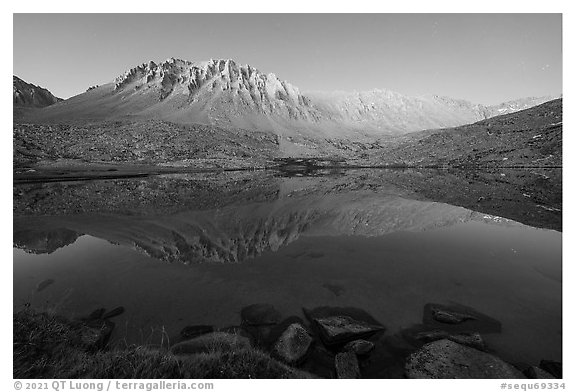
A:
{"x": 510, "y": 272}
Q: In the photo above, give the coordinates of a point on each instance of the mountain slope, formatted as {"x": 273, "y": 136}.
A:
{"x": 531, "y": 137}
{"x": 225, "y": 94}
{"x": 27, "y": 97}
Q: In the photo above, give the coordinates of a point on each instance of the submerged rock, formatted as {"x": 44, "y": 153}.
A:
{"x": 45, "y": 283}
{"x": 192, "y": 331}
{"x": 211, "y": 342}
{"x": 260, "y": 314}
{"x": 448, "y": 359}
{"x": 536, "y": 372}
{"x": 293, "y": 345}
{"x": 342, "y": 329}
{"x": 114, "y": 312}
{"x": 470, "y": 339}
{"x": 450, "y": 317}
{"x": 458, "y": 318}
{"x": 346, "y": 364}
{"x": 335, "y": 289}
{"x": 359, "y": 347}
{"x": 431, "y": 336}
{"x": 96, "y": 314}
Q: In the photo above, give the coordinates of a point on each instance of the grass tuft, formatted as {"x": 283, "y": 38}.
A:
{"x": 48, "y": 346}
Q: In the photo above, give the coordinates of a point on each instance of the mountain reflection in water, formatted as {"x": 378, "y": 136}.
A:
{"x": 229, "y": 217}
{"x": 387, "y": 241}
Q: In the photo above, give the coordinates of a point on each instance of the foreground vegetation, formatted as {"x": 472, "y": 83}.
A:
{"x": 49, "y": 346}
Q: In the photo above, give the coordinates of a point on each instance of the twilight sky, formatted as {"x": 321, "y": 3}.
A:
{"x": 484, "y": 58}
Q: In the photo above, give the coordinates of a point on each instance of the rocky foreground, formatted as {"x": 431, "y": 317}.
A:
{"x": 328, "y": 343}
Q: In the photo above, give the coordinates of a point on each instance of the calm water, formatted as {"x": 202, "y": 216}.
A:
{"x": 179, "y": 250}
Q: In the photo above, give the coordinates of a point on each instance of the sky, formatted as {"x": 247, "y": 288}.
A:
{"x": 484, "y": 58}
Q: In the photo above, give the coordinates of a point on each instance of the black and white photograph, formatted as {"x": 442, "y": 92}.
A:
{"x": 201, "y": 196}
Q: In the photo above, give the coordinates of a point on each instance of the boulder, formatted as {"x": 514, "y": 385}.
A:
{"x": 293, "y": 345}
{"x": 359, "y": 347}
{"x": 536, "y": 372}
{"x": 447, "y": 359}
{"x": 343, "y": 329}
{"x": 211, "y": 342}
{"x": 346, "y": 364}
{"x": 260, "y": 314}
{"x": 191, "y": 331}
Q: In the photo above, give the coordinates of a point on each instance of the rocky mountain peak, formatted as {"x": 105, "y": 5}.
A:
{"x": 218, "y": 74}
{"x": 242, "y": 90}
{"x": 224, "y": 93}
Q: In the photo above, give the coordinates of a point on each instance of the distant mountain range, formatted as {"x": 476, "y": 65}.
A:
{"x": 217, "y": 113}
{"x": 225, "y": 94}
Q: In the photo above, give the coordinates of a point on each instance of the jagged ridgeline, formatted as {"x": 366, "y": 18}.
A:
{"x": 224, "y": 93}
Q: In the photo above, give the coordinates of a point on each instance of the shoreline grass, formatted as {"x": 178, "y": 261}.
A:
{"x": 50, "y": 346}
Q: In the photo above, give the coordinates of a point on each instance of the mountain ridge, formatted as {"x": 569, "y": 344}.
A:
{"x": 30, "y": 95}
{"x": 226, "y": 94}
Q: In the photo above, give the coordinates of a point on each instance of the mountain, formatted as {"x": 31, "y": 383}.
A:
{"x": 29, "y": 95}
{"x": 225, "y": 94}
{"x": 530, "y": 137}
{"x": 517, "y": 105}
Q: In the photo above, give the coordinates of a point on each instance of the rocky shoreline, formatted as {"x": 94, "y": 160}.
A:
{"x": 327, "y": 342}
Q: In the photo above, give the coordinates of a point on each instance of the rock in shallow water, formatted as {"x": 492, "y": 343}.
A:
{"x": 342, "y": 329}
{"x": 293, "y": 345}
{"x": 96, "y": 314}
{"x": 114, "y": 312}
{"x": 447, "y": 359}
{"x": 458, "y": 318}
{"x": 260, "y": 314}
{"x": 450, "y": 317}
{"x": 346, "y": 364}
{"x": 359, "y": 347}
{"x": 470, "y": 339}
{"x": 42, "y": 285}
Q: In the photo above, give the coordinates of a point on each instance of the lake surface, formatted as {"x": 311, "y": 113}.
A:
{"x": 188, "y": 249}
